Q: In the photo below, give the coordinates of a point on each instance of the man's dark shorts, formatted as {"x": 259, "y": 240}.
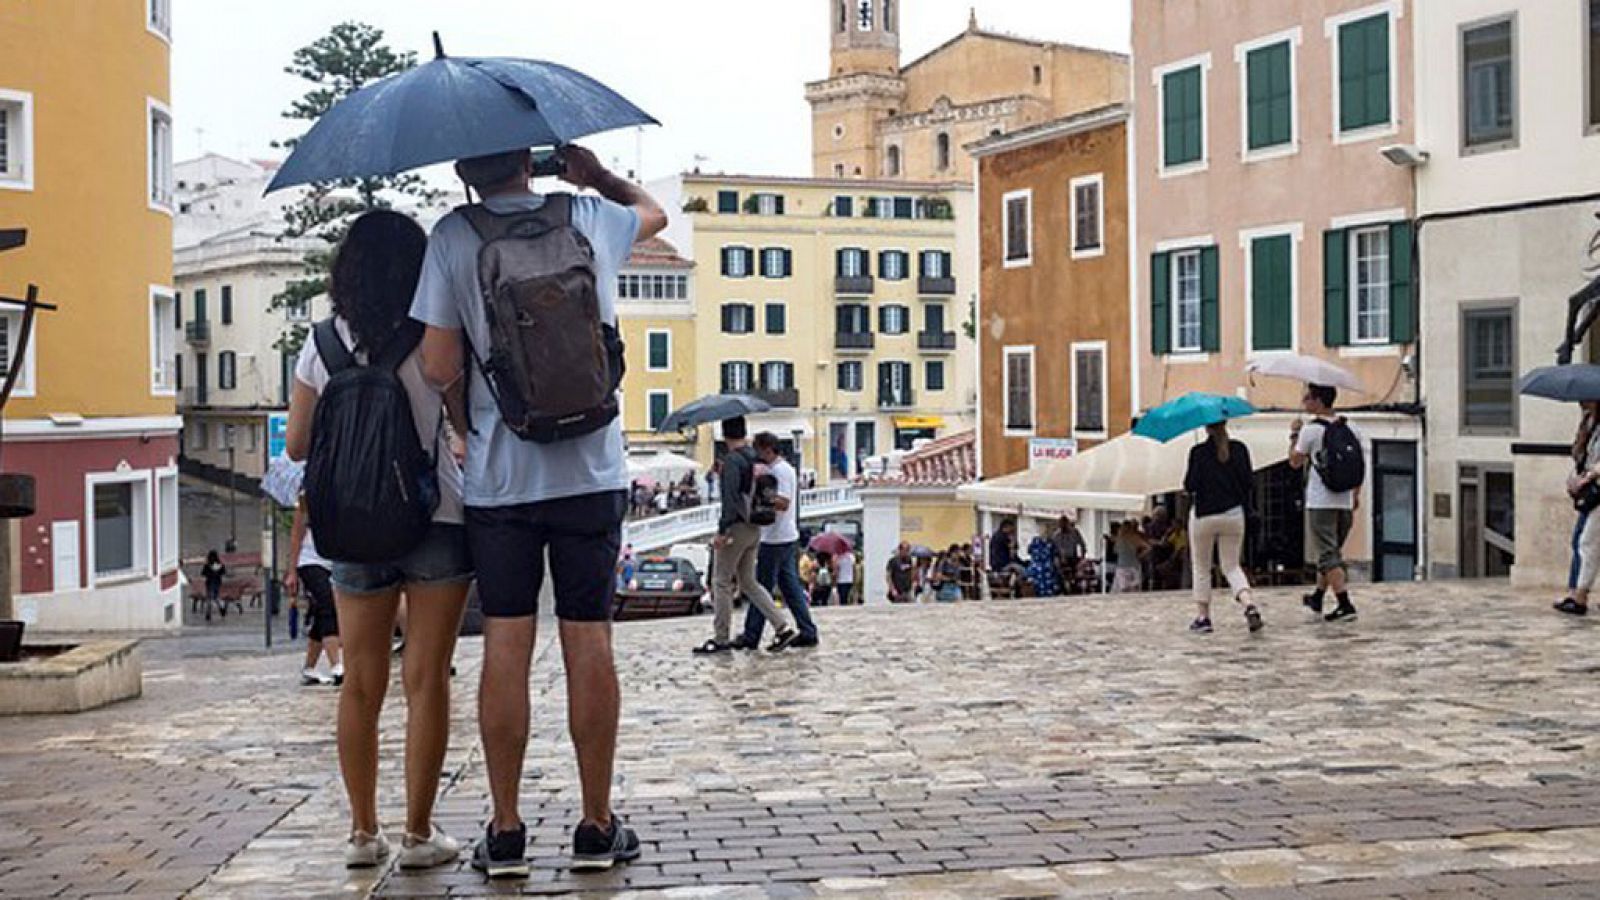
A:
{"x": 322, "y": 616}
{"x": 584, "y": 537}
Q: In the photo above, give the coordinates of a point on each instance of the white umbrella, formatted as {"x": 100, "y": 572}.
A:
{"x": 672, "y": 463}
{"x": 1308, "y": 369}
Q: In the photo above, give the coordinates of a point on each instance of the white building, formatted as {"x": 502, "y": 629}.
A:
{"x": 1508, "y": 94}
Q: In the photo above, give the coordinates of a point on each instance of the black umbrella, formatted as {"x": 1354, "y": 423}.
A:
{"x": 1573, "y": 384}
{"x": 713, "y": 408}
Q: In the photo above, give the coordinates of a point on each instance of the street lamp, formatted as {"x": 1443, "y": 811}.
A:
{"x": 233, "y": 506}
{"x": 798, "y": 434}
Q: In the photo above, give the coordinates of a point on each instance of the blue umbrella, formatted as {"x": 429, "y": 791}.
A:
{"x": 1191, "y": 411}
{"x": 1573, "y": 383}
{"x": 454, "y": 108}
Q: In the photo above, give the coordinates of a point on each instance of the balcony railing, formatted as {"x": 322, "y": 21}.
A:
{"x": 936, "y": 340}
{"x": 780, "y": 398}
{"x": 853, "y": 340}
{"x": 904, "y": 399}
{"x": 936, "y": 286}
{"x": 853, "y": 284}
{"x": 197, "y": 333}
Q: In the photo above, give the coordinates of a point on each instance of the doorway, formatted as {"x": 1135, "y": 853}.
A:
{"x": 1394, "y": 510}
{"x": 1488, "y": 533}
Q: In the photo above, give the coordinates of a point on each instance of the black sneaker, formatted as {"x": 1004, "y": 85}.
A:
{"x": 1200, "y": 626}
{"x": 1253, "y": 616}
{"x": 783, "y": 640}
{"x": 712, "y": 647}
{"x": 1313, "y": 602}
{"x": 594, "y": 850}
{"x": 502, "y": 854}
{"x": 804, "y": 641}
{"x": 1572, "y": 608}
{"x": 1344, "y": 612}
{"x": 743, "y": 643}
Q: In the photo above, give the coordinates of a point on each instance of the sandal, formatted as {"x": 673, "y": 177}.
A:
{"x": 712, "y": 646}
{"x": 1572, "y": 607}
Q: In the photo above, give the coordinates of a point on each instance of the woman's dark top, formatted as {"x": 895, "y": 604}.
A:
{"x": 214, "y": 571}
{"x": 1216, "y": 486}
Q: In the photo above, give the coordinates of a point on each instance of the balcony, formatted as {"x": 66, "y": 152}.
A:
{"x": 936, "y": 287}
{"x": 859, "y": 341}
{"x": 903, "y": 399}
{"x": 853, "y": 285}
{"x": 197, "y": 333}
{"x": 936, "y": 341}
{"x": 780, "y": 398}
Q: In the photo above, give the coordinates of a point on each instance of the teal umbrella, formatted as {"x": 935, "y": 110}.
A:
{"x": 1190, "y": 412}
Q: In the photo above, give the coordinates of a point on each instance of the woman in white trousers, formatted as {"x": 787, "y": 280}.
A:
{"x": 1220, "y": 482}
{"x": 1586, "y": 473}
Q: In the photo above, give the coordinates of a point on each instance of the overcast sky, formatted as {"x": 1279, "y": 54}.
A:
{"x": 725, "y": 77}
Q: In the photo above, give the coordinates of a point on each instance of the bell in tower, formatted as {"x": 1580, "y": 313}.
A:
{"x": 866, "y": 37}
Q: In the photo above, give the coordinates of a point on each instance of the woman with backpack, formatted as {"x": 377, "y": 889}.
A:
{"x": 359, "y": 383}
{"x": 1220, "y": 482}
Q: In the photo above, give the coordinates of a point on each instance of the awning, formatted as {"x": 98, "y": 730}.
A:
{"x": 918, "y": 422}
{"x": 1122, "y": 474}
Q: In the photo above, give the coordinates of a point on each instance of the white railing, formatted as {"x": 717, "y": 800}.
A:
{"x": 661, "y": 532}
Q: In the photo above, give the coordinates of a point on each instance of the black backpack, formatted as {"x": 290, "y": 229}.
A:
{"x": 371, "y": 488}
{"x": 764, "y": 498}
{"x": 1341, "y": 464}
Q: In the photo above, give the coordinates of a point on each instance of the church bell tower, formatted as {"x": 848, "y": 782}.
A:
{"x": 863, "y": 86}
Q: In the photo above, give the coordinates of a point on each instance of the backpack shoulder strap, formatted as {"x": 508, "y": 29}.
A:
{"x": 336, "y": 357}
{"x": 400, "y": 345}
{"x": 555, "y": 212}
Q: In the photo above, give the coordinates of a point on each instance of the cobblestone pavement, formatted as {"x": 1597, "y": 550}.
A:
{"x": 1446, "y": 743}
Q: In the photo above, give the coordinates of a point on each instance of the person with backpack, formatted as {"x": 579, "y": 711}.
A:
{"x": 1331, "y": 449}
{"x": 776, "y": 566}
{"x": 1221, "y": 482}
{"x": 383, "y": 497}
{"x": 746, "y": 507}
{"x": 519, "y": 295}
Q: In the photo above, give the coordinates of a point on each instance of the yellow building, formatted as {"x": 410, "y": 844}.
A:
{"x": 873, "y": 118}
{"x": 655, "y": 310}
{"x": 843, "y": 303}
{"x": 85, "y": 169}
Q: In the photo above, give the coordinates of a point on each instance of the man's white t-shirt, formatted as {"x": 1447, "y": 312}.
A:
{"x": 786, "y": 530}
{"x": 847, "y": 567}
{"x": 1317, "y": 494}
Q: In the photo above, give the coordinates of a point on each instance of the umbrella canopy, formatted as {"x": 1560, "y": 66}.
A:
{"x": 831, "y": 542}
{"x": 712, "y": 408}
{"x": 454, "y": 108}
{"x": 1308, "y": 369}
{"x": 669, "y": 463}
{"x": 922, "y": 551}
{"x": 1191, "y": 411}
{"x": 1575, "y": 383}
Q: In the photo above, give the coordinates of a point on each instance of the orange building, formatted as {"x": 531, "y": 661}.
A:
{"x": 85, "y": 168}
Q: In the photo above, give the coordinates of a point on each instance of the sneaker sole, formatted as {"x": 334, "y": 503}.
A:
{"x": 429, "y": 863}
{"x": 600, "y": 863}
{"x": 506, "y": 870}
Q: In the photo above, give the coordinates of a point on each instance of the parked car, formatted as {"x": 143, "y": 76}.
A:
{"x": 698, "y": 555}
{"x": 661, "y": 587}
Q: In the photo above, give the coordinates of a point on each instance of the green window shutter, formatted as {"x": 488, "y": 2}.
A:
{"x": 1364, "y": 73}
{"x": 1257, "y": 94}
{"x": 1210, "y": 315}
{"x": 1335, "y": 287}
{"x": 1271, "y": 300}
{"x": 1161, "y": 304}
{"x": 727, "y": 202}
{"x": 1181, "y": 117}
{"x": 1402, "y": 292}
{"x": 1270, "y": 101}
{"x": 1378, "y": 75}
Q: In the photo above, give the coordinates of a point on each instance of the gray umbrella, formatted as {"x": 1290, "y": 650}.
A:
{"x": 713, "y": 408}
{"x": 1573, "y": 384}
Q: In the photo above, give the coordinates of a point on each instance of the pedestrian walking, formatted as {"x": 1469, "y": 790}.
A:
{"x": 736, "y": 546}
{"x": 341, "y": 401}
{"x": 1331, "y": 449}
{"x": 312, "y": 577}
{"x": 901, "y": 572}
{"x": 844, "y": 572}
{"x": 212, "y": 573}
{"x": 541, "y": 480}
{"x": 947, "y": 575}
{"x": 1128, "y": 547}
{"x": 1220, "y": 481}
{"x": 1583, "y": 486}
{"x": 776, "y": 566}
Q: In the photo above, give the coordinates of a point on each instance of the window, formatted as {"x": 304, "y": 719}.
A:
{"x": 1269, "y": 96}
{"x": 160, "y": 154}
{"x": 163, "y": 342}
{"x": 777, "y": 318}
{"x": 727, "y": 201}
{"x": 10, "y": 334}
{"x": 167, "y": 520}
{"x": 777, "y": 262}
{"x": 933, "y": 318}
{"x": 1019, "y": 389}
{"x": 1369, "y": 276}
{"x": 850, "y": 376}
{"x": 777, "y": 376}
{"x": 933, "y": 374}
{"x": 298, "y": 310}
{"x": 769, "y": 204}
{"x": 652, "y": 287}
{"x": 864, "y": 15}
{"x": 888, "y": 15}
{"x": 853, "y": 318}
{"x": 659, "y": 405}
{"x": 227, "y": 370}
{"x": 1089, "y": 389}
{"x": 1186, "y": 302}
{"x": 1018, "y": 227}
{"x": 891, "y": 165}
{"x": 160, "y": 18}
{"x": 1038, "y": 75}
{"x": 738, "y": 262}
{"x": 894, "y": 265}
{"x": 935, "y": 264}
{"x": 1488, "y": 85}
{"x": 227, "y": 304}
{"x": 252, "y": 437}
{"x": 1183, "y": 129}
{"x": 1088, "y": 216}
{"x": 894, "y": 384}
{"x": 1272, "y": 293}
{"x": 843, "y": 207}
{"x": 894, "y": 319}
{"x": 838, "y": 168}
{"x": 853, "y": 263}
{"x": 737, "y": 377}
{"x": 658, "y": 351}
{"x": 1362, "y": 64}
{"x": 1594, "y": 63}
{"x": 906, "y": 208}
{"x": 1489, "y": 370}
{"x": 738, "y": 318}
{"x": 16, "y": 140}
{"x": 880, "y": 207}
{"x": 941, "y": 151}
{"x": 200, "y": 311}
{"x": 119, "y": 515}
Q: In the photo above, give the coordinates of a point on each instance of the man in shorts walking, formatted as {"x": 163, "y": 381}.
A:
{"x": 1329, "y": 513}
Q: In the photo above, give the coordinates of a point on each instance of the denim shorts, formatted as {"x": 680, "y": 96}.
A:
{"x": 441, "y": 558}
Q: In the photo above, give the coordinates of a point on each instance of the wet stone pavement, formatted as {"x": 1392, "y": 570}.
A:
{"x": 1447, "y": 743}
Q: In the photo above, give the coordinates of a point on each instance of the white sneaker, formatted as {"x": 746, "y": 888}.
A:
{"x": 363, "y": 851}
{"x": 338, "y": 675}
{"x": 309, "y": 677}
{"x": 436, "y": 849}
